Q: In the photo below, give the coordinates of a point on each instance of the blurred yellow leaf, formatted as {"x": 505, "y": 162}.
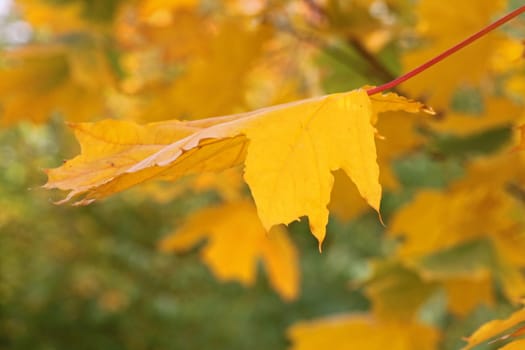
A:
{"x": 236, "y": 240}
{"x": 44, "y": 15}
{"x": 361, "y": 332}
{"x": 345, "y": 200}
{"x": 58, "y": 18}
{"x": 397, "y": 292}
{"x": 494, "y": 329}
{"x": 452, "y": 216}
{"x": 515, "y": 345}
{"x": 227, "y": 183}
{"x": 498, "y": 112}
{"x": 159, "y": 11}
{"x": 218, "y": 75}
{"x": 444, "y": 26}
{"x": 437, "y": 221}
{"x": 40, "y": 80}
{"x": 399, "y": 137}
{"x": 465, "y": 294}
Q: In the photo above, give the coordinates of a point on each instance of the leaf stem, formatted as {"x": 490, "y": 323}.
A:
{"x": 448, "y": 52}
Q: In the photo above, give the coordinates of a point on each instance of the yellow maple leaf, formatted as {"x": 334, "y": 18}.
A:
{"x": 494, "y": 328}
{"x": 236, "y": 240}
{"x": 361, "y": 332}
{"x": 398, "y": 136}
{"x": 288, "y": 150}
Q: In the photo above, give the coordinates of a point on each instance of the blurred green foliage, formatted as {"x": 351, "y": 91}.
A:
{"x": 93, "y": 278}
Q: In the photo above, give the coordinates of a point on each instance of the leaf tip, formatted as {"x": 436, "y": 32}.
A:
{"x": 381, "y": 219}
{"x": 428, "y": 110}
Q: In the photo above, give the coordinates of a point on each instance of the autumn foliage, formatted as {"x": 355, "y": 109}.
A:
{"x": 253, "y": 123}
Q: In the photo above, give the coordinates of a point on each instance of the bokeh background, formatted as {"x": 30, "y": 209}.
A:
{"x": 94, "y": 277}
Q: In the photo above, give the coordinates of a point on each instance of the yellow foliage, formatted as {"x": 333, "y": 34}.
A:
{"x": 494, "y": 329}
{"x": 398, "y": 137}
{"x": 515, "y": 345}
{"x": 451, "y": 217}
{"x": 45, "y": 16}
{"x": 441, "y": 27}
{"x": 397, "y": 292}
{"x": 436, "y": 221}
{"x": 219, "y": 76}
{"x": 156, "y": 11}
{"x": 465, "y": 294}
{"x": 361, "y": 332}
{"x": 345, "y": 200}
{"x": 40, "y": 80}
{"x": 150, "y": 60}
{"x": 236, "y": 240}
{"x": 498, "y": 112}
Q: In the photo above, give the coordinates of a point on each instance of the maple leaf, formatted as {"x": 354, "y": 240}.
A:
{"x": 236, "y": 240}
{"x": 361, "y": 331}
{"x": 398, "y": 136}
{"x": 289, "y": 152}
{"x": 494, "y": 328}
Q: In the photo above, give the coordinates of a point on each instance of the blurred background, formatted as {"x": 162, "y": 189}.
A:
{"x": 96, "y": 277}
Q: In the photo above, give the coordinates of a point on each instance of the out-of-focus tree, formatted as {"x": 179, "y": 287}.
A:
{"x": 197, "y": 260}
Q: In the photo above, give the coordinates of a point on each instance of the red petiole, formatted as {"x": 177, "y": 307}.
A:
{"x": 447, "y": 53}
